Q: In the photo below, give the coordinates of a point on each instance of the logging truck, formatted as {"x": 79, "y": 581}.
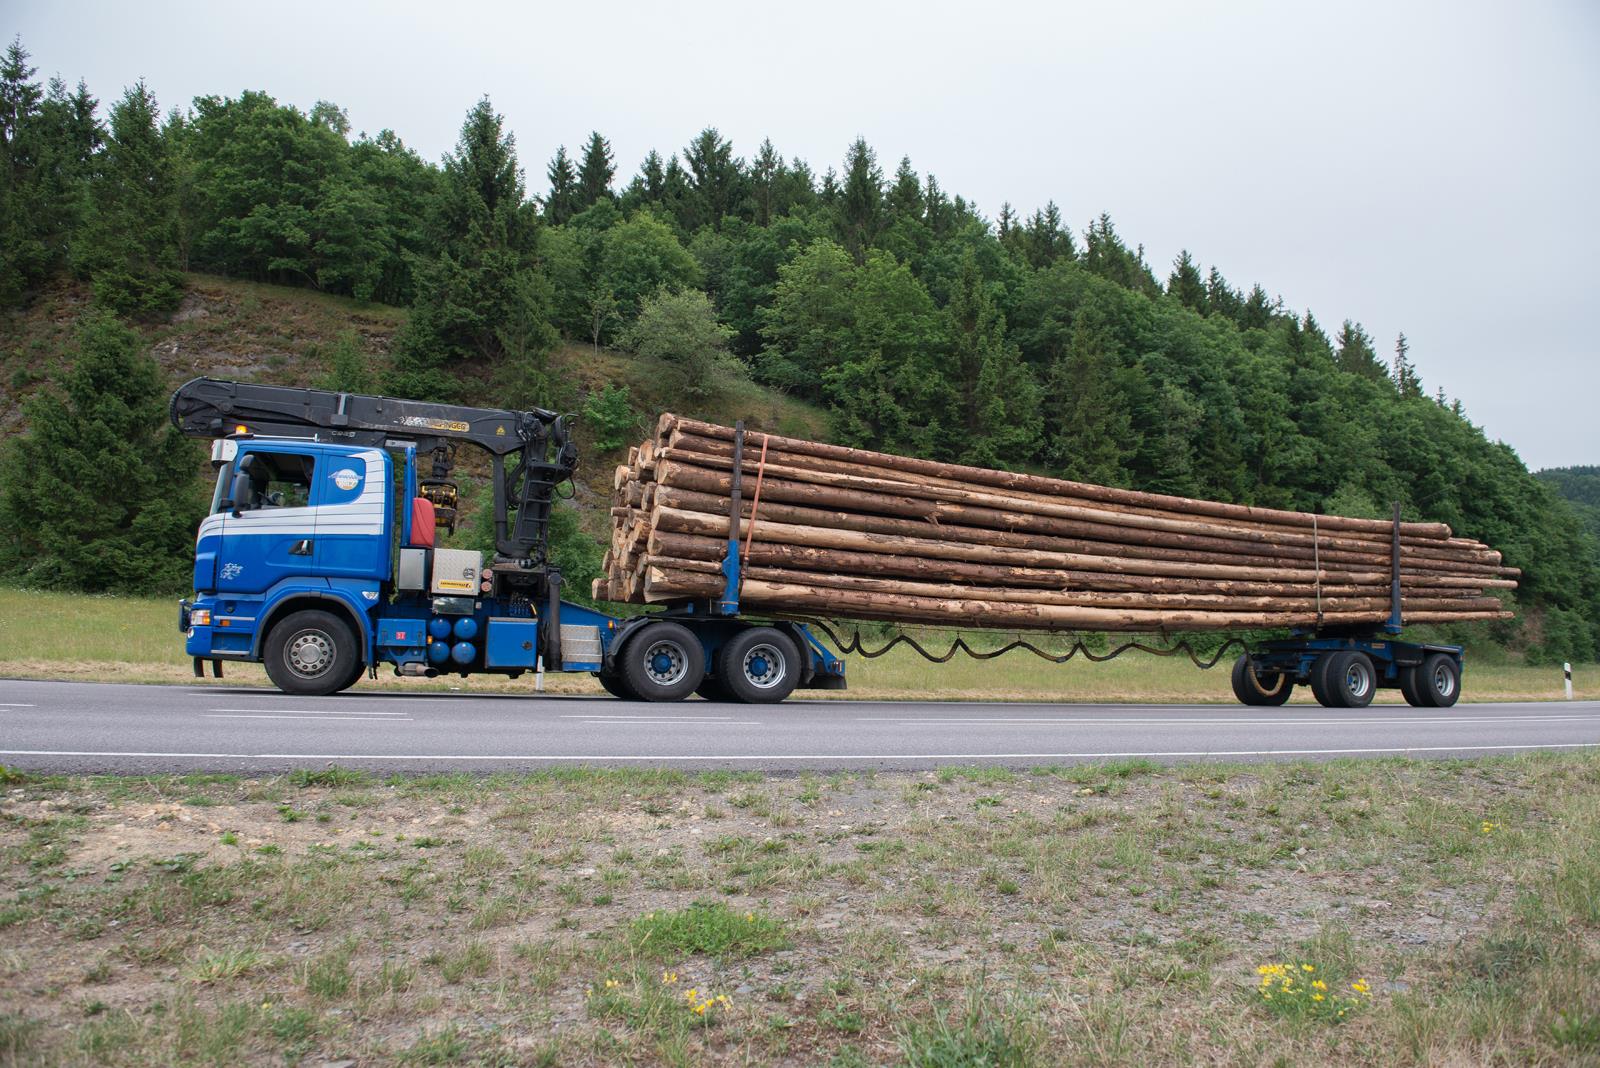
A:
{"x": 320, "y": 559}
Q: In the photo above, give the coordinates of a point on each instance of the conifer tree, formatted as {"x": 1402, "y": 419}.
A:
{"x": 1406, "y": 379}
{"x": 596, "y": 171}
{"x": 714, "y": 181}
{"x": 1354, "y": 352}
{"x": 1088, "y": 429}
{"x": 482, "y": 296}
{"x": 766, "y": 175}
{"x": 129, "y": 249}
{"x": 1185, "y": 284}
{"x": 562, "y": 203}
{"x": 861, "y": 200}
{"x": 100, "y": 493}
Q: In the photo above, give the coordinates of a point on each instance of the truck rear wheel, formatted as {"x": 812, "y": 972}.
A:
{"x": 1344, "y": 680}
{"x": 1265, "y": 688}
{"x": 311, "y": 653}
{"x": 758, "y": 666}
{"x": 662, "y": 662}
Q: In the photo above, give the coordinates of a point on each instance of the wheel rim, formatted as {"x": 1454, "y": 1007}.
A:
{"x": 310, "y": 653}
{"x": 1444, "y": 680}
{"x": 764, "y": 666}
{"x": 665, "y": 663}
{"x": 1358, "y": 679}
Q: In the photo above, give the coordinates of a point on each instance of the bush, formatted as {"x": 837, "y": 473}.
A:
{"x": 609, "y": 416}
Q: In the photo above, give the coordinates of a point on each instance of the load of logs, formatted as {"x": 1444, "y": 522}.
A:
{"x": 829, "y": 530}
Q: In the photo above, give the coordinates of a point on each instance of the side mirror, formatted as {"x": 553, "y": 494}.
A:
{"x": 239, "y": 492}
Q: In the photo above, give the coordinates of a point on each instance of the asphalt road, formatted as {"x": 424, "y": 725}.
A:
{"x": 88, "y": 727}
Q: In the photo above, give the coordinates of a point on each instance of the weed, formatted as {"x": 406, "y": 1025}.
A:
{"x": 985, "y": 1036}
{"x": 436, "y": 1047}
{"x": 329, "y": 776}
{"x": 706, "y": 927}
{"x": 215, "y": 966}
{"x": 328, "y": 975}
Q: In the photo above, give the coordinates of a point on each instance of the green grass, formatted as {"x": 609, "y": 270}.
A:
{"x": 709, "y": 927}
{"x": 126, "y": 639}
{"x": 1115, "y": 914}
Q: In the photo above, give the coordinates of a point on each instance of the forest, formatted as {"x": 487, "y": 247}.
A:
{"x": 920, "y": 324}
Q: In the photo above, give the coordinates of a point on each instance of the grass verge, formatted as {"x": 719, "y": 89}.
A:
{"x": 1129, "y": 914}
{"x": 127, "y": 639}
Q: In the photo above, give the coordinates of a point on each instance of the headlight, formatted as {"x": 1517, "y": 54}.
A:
{"x": 200, "y": 617}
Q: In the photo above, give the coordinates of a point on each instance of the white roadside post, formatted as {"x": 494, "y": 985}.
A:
{"x": 1566, "y": 669}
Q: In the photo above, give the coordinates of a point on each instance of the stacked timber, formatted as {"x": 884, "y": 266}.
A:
{"x": 829, "y": 530}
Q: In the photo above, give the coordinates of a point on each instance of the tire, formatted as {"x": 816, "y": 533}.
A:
{"x": 1411, "y": 686}
{"x": 759, "y": 666}
{"x": 1344, "y": 680}
{"x": 311, "y": 653}
{"x": 1267, "y": 689}
{"x": 1439, "y": 681}
{"x": 614, "y": 686}
{"x": 662, "y": 662}
{"x": 355, "y": 677}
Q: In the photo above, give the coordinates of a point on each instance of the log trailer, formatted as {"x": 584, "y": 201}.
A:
{"x": 318, "y": 558}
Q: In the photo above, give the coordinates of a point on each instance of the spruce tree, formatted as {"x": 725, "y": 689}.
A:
{"x": 99, "y": 494}
{"x": 766, "y": 175}
{"x": 562, "y": 203}
{"x": 482, "y": 295}
{"x": 714, "y": 181}
{"x": 129, "y": 250}
{"x": 1185, "y": 284}
{"x": 596, "y": 171}
{"x": 861, "y": 200}
{"x": 1406, "y": 379}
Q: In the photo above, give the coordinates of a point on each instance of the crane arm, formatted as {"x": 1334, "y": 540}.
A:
{"x": 546, "y": 454}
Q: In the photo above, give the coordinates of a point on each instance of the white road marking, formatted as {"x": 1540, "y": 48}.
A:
{"x": 602, "y": 757}
{"x": 640, "y": 722}
{"x": 321, "y": 717}
{"x": 308, "y": 711}
{"x": 652, "y": 719}
{"x": 1387, "y": 721}
{"x": 12, "y": 704}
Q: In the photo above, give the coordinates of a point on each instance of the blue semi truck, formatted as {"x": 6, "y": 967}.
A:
{"x": 319, "y": 558}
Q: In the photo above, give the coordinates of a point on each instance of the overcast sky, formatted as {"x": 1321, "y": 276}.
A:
{"x": 1426, "y": 167}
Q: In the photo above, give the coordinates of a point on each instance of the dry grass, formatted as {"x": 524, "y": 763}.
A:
{"x": 107, "y": 639}
{"x": 1089, "y": 915}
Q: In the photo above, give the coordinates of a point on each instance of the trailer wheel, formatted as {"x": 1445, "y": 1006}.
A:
{"x": 1344, "y": 680}
{"x": 1410, "y": 685}
{"x": 311, "y": 653}
{"x": 758, "y": 666}
{"x": 662, "y": 662}
{"x": 1268, "y": 688}
{"x": 1438, "y": 681}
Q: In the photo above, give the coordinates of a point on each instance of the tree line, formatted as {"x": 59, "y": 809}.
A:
{"x": 921, "y": 324}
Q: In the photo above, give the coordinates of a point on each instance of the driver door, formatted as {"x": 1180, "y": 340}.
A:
{"x": 272, "y": 536}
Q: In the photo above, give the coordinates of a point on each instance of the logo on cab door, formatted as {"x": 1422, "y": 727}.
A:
{"x": 346, "y": 479}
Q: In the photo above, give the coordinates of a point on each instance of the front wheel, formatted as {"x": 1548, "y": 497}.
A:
{"x": 311, "y": 654}
{"x": 758, "y": 666}
{"x": 1264, "y": 688}
{"x": 662, "y": 662}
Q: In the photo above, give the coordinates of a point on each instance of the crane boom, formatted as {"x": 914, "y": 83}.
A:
{"x": 523, "y": 495}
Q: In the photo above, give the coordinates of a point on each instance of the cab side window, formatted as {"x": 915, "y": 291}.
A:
{"x": 281, "y": 480}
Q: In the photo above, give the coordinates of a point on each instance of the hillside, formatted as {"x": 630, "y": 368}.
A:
{"x": 864, "y": 304}
{"x": 257, "y": 332}
{"x": 1580, "y": 486}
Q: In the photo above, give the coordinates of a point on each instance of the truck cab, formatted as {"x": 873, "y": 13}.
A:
{"x": 319, "y": 558}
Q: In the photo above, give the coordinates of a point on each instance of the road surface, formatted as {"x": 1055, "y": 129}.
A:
{"x": 88, "y": 727}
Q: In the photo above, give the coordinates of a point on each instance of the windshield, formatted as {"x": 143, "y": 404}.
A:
{"x": 220, "y": 491}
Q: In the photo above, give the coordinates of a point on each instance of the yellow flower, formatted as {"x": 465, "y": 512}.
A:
{"x": 749, "y": 917}
{"x": 1307, "y": 968}
{"x": 700, "y": 1009}
{"x": 1359, "y": 986}
{"x": 1319, "y": 984}
{"x": 669, "y": 978}
{"x": 1318, "y": 997}
{"x": 612, "y": 984}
